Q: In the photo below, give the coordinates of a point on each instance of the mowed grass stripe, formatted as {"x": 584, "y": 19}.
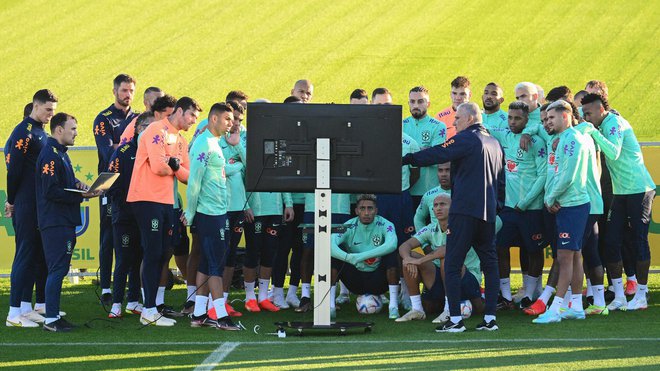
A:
{"x": 205, "y": 49}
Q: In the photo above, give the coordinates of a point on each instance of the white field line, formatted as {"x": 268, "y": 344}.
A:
{"x": 214, "y": 359}
{"x": 307, "y": 340}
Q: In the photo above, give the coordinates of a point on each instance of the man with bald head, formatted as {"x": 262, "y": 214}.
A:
{"x": 478, "y": 176}
{"x": 304, "y": 90}
{"x": 528, "y": 93}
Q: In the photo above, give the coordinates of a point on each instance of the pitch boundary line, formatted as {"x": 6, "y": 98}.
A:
{"x": 214, "y": 359}
{"x": 309, "y": 340}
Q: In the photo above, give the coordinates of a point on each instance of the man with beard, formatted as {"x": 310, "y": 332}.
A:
{"x": 128, "y": 126}
{"x": 107, "y": 134}
{"x": 528, "y": 93}
{"x": 460, "y": 93}
{"x": 427, "y": 132}
{"x": 495, "y": 119}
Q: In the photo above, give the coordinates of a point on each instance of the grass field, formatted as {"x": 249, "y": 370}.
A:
{"x": 621, "y": 340}
{"x": 206, "y": 48}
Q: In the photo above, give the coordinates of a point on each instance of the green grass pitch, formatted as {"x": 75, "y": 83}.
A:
{"x": 206, "y": 48}
{"x": 621, "y": 340}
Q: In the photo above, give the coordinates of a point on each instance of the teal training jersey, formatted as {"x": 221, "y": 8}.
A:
{"x": 201, "y": 126}
{"x": 339, "y": 202}
{"x": 428, "y": 132}
{"x": 408, "y": 145}
{"x": 534, "y": 117}
{"x": 570, "y": 171}
{"x": 207, "y": 188}
{"x": 593, "y": 175}
{"x": 525, "y": 171}
{"x": 623, "y": 156}
{"x": 269, "y": 203}
{"x": 369, "y": 241}
{"x": 298, "y": 198}
{"x": 496, "y": 121}
{"x": 235, "y": 171}
{"x": 432, "y": 235}
{"x": 424, "y": 211}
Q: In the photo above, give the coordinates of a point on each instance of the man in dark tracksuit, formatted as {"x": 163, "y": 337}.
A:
{"x": 477, "y": 172}
{"x": 58, "y": 212}
{"x": 107, "y": 134}
{"x": 21, "y": 153}
{"x": 126, "y": 234}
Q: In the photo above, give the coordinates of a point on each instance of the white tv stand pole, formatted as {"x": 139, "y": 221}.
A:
{"x": 322, "y": 233}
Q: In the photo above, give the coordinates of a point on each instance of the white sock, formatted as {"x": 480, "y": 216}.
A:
{"x": 567, "y": 299}
{"x": 641, "y": 292}
{"x": 505, "y": 288}
{"x": 539, "y": 284}
{"x": 416, "y": 301}
{"x": 200, "y": 305}
{"x": 576, "y": 302}
{"x": 50, "y": 320}
{"x": 292, "y": 291}
{"x": 631, "y": 278}
{"x": 39, "y": 306}
{"x": 132, "y": 305}
{"x": 343, "y": 290}
{"x": 191, "y": 292}
{"x": 142, "y": 291}
{"x": 249, "y": 291}
{"x": 546, "y": 294}
{"x": 209, "y": 306}
{"x": 263, "y": 289}
{"x": 333, "y": 296}
{"x": 489, "y": 317}
{"x": 599, "y": 295}
{"x": 557, "y": 303}
{"x": 446, "y": 309}
{"x": 26, "y": 307}
{"x": 116, "y": 308}
{"x": 394, "y": 296}
{"x": 225, "y": 295}
{"x": 306, "y": 290}
{"x": 160, "y": 295}
{"x": 618, "y": 288}
{"x": 590, "y": 289}
{"x": 529, "y": 285}
{"x": 14, "y": 312}
{"x": 455, "y": 319}
{"x": 220, "y": 309}
{"x": 105, "y": 291}
{"x": 149, "y": 312}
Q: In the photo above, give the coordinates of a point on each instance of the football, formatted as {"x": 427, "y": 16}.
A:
{"x": 368, "y": 304}
{"x": 466, "y": 309}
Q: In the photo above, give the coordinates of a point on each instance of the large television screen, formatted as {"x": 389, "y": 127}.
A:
{"x": 365, "y": 142}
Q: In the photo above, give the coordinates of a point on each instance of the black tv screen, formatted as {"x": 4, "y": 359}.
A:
{"x": 365, "y": 145}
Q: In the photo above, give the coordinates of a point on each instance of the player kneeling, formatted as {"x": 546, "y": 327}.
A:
{"x": 364, "y": 256}
{"x": 427, "y": 269}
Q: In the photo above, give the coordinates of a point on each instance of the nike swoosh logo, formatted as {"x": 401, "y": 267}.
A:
{"x": 565, "y": 242}
{"x": 356, "y": 243}
{"x": 15, "y": 324}
{"x": 132, "y": 158}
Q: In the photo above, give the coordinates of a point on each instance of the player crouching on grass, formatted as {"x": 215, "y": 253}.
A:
{"x": 428, "y": 268}
{"x": 364, "y": 254}
{"x": 207, "y": 208}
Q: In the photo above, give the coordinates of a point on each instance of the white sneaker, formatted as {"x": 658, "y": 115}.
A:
{"x": 442, "y": 318}
{"x": 618, "y": 304}
{"x": 34, "y": 317}
{"x": 20, "y": 321}
{"x": 280, "y": 302}
{"x": 293, "y": 301}
{"x": 156, "y": 320}
{"x": 342, "y": 299}
{"x": 137, "y": 309}
{"x": 637, "y": 304}
{"x": 42, "y": 311}
{"x": 411, "y": 316}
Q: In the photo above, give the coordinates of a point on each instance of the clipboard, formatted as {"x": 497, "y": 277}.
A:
{"x": 102, "y": 183}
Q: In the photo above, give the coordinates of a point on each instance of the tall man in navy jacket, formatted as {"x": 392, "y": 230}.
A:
{"x": 58, "y": 212}
{"x": 477, "y": 171}
{"x": 21, "y": 153}
{"x": 107, "y": 135}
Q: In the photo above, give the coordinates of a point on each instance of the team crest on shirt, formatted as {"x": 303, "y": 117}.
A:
{"x": 154, "y": 225}
{"x": 69, "y": 247}
{"x": 520, "y": 153}
{"x": 125, "y": 240}
{"x": 222, "y": 233}
{"x": 426, "y": 136}
{"x": 376, "y": 240}
{"x": 257, "y": 227}
{"x": 511, "y": 166}
{"x": 551, "y": 159}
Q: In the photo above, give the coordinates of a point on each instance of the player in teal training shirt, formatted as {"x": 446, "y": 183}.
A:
{"x": 364, "y": 256}
{"x": 633, "y": 190}
{"x": 494, "y": 118}
{"x": 207, "y": 210}
{"x": 568, "y": 199}
{"x": 428, "y": 132}
{"x": 424, "y": 214}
